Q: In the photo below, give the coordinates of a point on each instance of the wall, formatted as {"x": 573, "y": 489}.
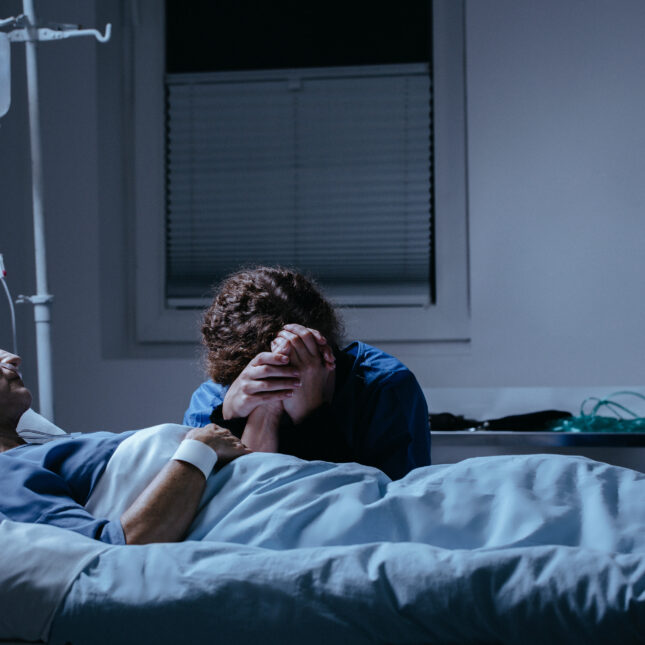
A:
{"x": 85, "y": 236}
{"x": 556, "y": 195}
{"x": 556, "y": 192}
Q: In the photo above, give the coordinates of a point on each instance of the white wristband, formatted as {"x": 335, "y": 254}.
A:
{"x": 198, "y": 454}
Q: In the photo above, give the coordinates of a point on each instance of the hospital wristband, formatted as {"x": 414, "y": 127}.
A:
{"x": 198, "y": 454}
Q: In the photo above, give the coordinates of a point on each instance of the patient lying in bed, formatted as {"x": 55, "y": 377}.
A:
{"x": 51, "y": 483}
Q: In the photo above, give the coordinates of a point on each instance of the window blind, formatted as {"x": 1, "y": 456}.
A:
{"x": 326, "y": 170}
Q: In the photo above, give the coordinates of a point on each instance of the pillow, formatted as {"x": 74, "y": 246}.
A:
{"x": 34, "y": 428}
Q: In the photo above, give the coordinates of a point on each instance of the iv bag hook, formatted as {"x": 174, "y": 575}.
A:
{"x": 28, "y": 32}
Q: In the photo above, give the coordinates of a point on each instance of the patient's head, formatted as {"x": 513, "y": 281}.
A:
{"x": 250, "y": 307}
{"x": 15, "y": 398}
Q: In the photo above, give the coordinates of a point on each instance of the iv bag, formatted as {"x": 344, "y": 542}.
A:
{"x": 5, "y": 74}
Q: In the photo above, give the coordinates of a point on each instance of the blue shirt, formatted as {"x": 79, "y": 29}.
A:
{"x": 378, "y": 415}
{"x": 50, "y": 483}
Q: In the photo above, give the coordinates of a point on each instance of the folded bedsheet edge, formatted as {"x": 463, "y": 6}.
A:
{"x": 38, "y": 565}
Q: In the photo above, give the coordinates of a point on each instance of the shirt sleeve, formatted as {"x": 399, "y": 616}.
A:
{"x": 202, "y": 403}
{"x": 35, "y": 495}
{"x": 395, "y": 419}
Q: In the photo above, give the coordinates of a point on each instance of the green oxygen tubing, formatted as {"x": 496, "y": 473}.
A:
{"x": 620, "y": 419}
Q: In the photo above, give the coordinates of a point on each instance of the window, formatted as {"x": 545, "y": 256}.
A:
{"x": 322, "y": 163}
{"x": 324, "y": 169}
{"x": 319, "y": 157}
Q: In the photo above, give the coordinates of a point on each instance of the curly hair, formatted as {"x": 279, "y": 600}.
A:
{"x": 250, "y": 307}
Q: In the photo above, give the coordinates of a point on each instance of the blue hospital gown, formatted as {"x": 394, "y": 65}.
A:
{"x": 51, "y": 482}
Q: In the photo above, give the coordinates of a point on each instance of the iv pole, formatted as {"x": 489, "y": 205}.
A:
{"x": 30, "y": 34}
{"x": 42, "y": 300}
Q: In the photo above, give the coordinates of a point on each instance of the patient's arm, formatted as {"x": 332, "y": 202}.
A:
{"x": 165, "y": 509}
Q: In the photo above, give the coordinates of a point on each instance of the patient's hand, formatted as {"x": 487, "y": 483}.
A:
{"x": 268, "y": 378}
{"x": 309, "y": 352}
{"x": 222, "y": 441}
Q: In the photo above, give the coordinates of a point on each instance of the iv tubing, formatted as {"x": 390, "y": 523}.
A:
{"x": 13, "y": 315}
{"x": 42, "y": 300}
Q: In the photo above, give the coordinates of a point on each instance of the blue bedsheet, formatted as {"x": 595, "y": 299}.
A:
{"x": 530, "y": 549}
{"x": 280, "y": 502}
{"x": 210, "y": 592}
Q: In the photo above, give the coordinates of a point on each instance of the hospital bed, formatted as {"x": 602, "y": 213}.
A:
{"x": 507, "y": 549}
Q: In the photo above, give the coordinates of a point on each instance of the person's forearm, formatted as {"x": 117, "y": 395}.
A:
{"x": 261, "y": 430}
{"x": 164, "y": 510}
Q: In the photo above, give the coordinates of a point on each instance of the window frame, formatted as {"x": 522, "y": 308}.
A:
{"x": 446, "y": 320}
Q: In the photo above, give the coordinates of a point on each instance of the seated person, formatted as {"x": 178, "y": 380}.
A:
{"x": 280, "y": 382}
{"x": 51, "y": 483}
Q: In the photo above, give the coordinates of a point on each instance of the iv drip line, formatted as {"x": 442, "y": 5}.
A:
{"x": 13, "y": 317}
{"x": 3, "y": 273}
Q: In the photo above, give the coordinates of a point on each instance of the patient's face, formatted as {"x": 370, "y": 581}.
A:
{"x": 15, "y": 398}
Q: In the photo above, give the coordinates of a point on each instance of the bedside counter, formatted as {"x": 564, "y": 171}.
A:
{"x": 626, "y": 450}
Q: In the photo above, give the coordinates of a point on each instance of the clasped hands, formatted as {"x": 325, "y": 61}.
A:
{"x": 296, "y": 376}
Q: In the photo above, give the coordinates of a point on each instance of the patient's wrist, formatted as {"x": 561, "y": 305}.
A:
{"x": 198, "y": 454}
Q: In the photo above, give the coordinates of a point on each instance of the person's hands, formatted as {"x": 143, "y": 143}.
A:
{"x": 311, "y": 337}
{"x": 309, "y": 352}
{"x": 222, "y": 441}
{"x": 268, "y": 378}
